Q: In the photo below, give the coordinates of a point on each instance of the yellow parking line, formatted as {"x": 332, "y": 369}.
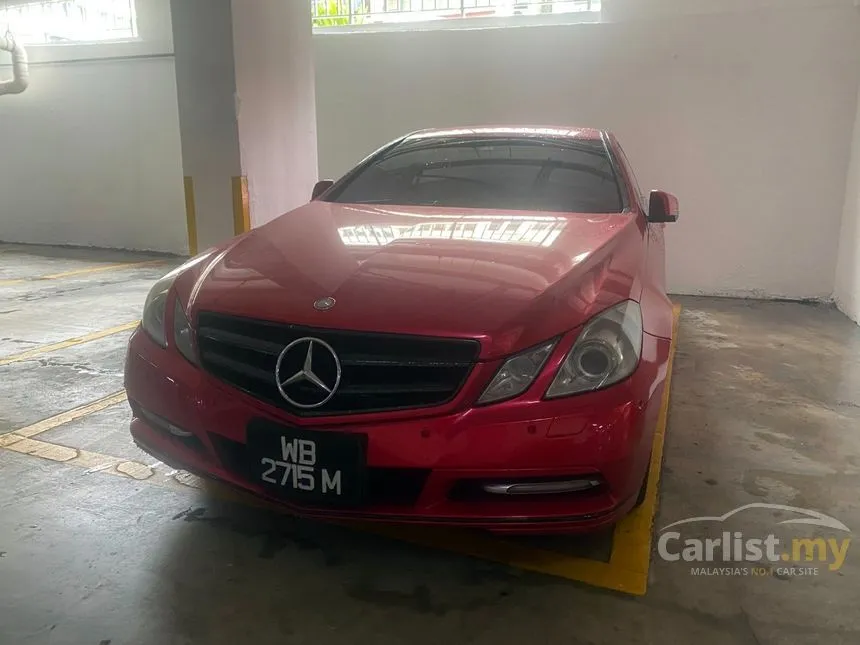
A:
{"x": 63, "y": 344}
{"x": 487, "y": 547}
{"x": 631, "y": 545}
{"x": 66, "y": 417}
{"x": 87, "y": 270}
{"x": 103, "y": 267}
{"x": 36, "y": 448}
{"x": 95, "y": 462}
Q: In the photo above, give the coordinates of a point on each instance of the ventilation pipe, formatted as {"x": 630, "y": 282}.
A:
{"x": 20, "y": 68}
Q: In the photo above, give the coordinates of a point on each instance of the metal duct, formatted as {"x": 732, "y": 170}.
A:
{"x": 20, "y": 68}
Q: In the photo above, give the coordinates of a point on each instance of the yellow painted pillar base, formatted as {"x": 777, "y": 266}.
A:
{"x": 191, "y": 216}
{"x": 241, "y": 207}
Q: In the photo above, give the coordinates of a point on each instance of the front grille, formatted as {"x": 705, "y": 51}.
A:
{"x": 379, "y": 371}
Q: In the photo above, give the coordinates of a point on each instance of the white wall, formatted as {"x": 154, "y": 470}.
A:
{"x": 92, "y": 154}
{"x": 847, "y": 292}
{"x": 746, "y": 115}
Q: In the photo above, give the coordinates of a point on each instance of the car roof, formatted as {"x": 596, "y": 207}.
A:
{"x": 509, "y": 131}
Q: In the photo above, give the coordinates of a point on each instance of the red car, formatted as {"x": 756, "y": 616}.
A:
{"x": 469, "y": 328}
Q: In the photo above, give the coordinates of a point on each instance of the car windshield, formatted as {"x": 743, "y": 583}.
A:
{"x": 502, "y": 172}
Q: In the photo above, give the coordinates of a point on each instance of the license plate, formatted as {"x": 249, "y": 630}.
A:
{"x": 308, "y": 466}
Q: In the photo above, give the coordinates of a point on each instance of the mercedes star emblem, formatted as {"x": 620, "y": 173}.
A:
{"x": 324, "y": 304}
{"x": 306, "y": 378}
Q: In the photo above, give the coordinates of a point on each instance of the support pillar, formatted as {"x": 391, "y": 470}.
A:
{"x": 247, "y": 112}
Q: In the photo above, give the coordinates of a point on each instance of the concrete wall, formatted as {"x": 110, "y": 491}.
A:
{"x": 745, "y": 114}
{"x": 91, "y": 149}
{"x": 847, "y": 292}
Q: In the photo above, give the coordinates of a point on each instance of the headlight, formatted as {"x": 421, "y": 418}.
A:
{"x": 182, "y": 337}
{"x": 156, "y": 302}
{"x": 154, "y": 308}
{"x": 607, "y": 351}
{"x": 516, "y": 374}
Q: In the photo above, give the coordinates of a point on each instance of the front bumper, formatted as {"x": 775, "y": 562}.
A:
{"x": 427, "y": 464}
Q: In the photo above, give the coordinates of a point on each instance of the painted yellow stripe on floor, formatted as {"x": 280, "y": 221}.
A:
{"x": 36, "y": 448}
{"x": 84, "y": 271}
{"x": 485, "y": 546}
{"x": 95, "y": 462}
{"x": 63, "y": 344}
{"x": 70, "y": 415}
{"x": 631, "y": 546}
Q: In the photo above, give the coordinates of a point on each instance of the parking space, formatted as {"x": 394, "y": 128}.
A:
{"x": 102, "y": 543}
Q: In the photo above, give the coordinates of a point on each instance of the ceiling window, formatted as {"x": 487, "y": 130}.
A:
{"x": 344, "y": 13}
{"x": 52, "y": 22}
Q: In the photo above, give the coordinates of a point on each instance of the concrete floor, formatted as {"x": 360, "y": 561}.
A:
{"x": 765, "y": 408}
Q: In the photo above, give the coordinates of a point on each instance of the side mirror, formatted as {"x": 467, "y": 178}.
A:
{"x": 321, "y": 187}
{"x": 663, "y": 207}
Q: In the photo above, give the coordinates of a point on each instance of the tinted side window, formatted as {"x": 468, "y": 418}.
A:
{"x": 526, "y": 173}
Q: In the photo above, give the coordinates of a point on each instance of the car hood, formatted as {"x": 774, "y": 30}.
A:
{"x": 510, "y": 279}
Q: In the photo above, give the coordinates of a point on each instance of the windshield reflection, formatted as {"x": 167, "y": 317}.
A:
{"x": 524, "y": 231}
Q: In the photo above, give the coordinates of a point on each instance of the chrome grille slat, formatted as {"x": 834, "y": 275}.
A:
{"x": 227, "y": 338}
